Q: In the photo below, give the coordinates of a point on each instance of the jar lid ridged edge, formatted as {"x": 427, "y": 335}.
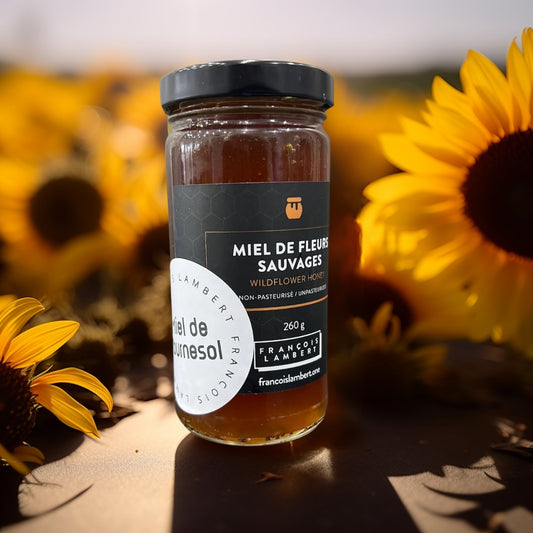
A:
{"x": 246, "y": 78}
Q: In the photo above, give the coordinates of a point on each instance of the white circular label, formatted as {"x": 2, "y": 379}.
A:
{"x": 213, "y": 338}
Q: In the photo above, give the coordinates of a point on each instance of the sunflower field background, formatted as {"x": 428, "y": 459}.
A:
{"x": 427, "y": 297}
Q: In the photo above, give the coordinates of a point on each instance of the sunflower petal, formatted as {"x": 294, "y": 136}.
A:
{"x": 75, "y": 376}
{"x": 440, "y": 258}
{"x": 81, "y": 257}
{"x": 462, "y": 130}
{"x": 392, "y": 188}
{"x": 12, "y": 460}
{"x": 40, "y": 342}
{"x": 491, "y": 97}
{"x": 527, "y": 50}
{"x": 402, "y": 153}
{"x": 67, "y": 409}
{"x": 495, "y": 292}
{"x": 433, "y": 143}
{"x": 12, "y": 320}
{"x": 434, "y": 211}
{"x": 381, "y": 319}
{"x": 527, "y": 47}
{"x": 5, "y": 300}
{"x": 521, "y": 84}
{"x": 523, "y": 340}
{"x": 395, "y": 330}
{"x": 29, "y": 454}
{"x": 448, "y": 97}
{"x": 508, "y": 288}
{"x": 360, "y": 327}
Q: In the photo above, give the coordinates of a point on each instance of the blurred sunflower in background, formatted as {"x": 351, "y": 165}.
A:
{"x": 130, "y": 319}
{"x": 460, "y": 212}
{"x": 54, "y": 215}
{"x": 83, "y": 211}
{"x": 41, "y": 113}
{"x": 393, "y": 341}
{"x": 64, "y": 204}
{"x": 141, "y": 126}
{"x": 141, "y": 225}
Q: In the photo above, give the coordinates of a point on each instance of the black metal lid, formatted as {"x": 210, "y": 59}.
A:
{"x": 246, "y": 78}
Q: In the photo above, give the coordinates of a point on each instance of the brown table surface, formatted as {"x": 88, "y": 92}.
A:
{"x": 424, "y": 467}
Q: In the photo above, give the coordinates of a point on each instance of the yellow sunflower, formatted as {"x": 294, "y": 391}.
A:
{"x": 393, "y": 341}
{"x": 364, "y": 277}
{"x": 22, "y": 392}
{"x": 41, "y": 112}
{"x": 141, "y": 223}
{"x": 140, "y": 124}
{"x": 460, "y": 213}
{"x": 61, "y": 202}
{"x": 58, "y": 215}
{"x": 384, "y": 363}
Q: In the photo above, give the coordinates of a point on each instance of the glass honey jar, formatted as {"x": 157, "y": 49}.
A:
{"x": 248, "y": 170}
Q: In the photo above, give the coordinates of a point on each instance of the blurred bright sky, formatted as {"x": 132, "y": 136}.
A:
{"x": 348, "y": 37}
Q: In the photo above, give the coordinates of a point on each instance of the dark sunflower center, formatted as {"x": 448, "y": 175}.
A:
{"x": 369, "y": 294}
{"x": 17, "y": 407}
{"x": 153, "y": 248}
{"x": 64, "y": 208}
{"x": 498, "y": 193}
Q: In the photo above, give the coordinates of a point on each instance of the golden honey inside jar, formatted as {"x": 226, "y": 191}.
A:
{"x": 248, "y": 189}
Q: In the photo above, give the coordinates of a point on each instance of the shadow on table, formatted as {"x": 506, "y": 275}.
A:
{"x": 56, "y": 441}
{"x": 338, "y": 477}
